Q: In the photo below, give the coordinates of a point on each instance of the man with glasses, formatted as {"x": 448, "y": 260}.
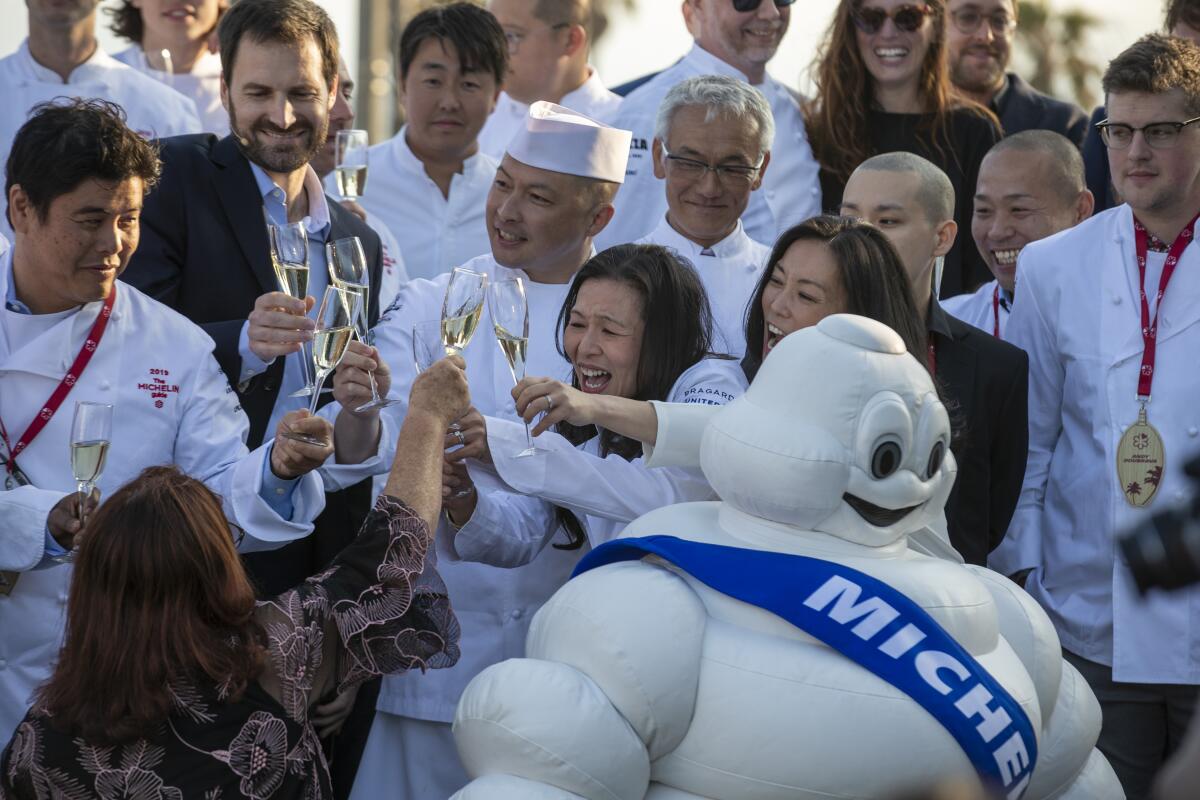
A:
{"x": 979, "y": 40}
{"x": 1109, "y": 313}
{"x": 549, "y": 42}
{"x": 736, "y": 39}
{"x": 712, "y": 146}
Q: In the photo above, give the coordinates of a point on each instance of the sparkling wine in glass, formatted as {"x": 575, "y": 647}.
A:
{"x": 462, "y": 308}
{"x": 348, "y": 270}
{"x": 351, "y": 160}
{"x": 335, "y": 326}
{"x": 427, "y": 351}
{"x": 510, "y": 319}
{"x": 289, "y": 258}
{"x": 91, "y": 433}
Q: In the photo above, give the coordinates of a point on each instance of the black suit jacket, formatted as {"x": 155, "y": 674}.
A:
{"x": 204, "y": 252}
{"x": 1095, "y": 165}
{"x": 1023, "y": 108}
{"x": 985, "y": 383}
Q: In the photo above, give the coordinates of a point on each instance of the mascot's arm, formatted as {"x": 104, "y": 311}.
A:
{"x": 609, "y": 685}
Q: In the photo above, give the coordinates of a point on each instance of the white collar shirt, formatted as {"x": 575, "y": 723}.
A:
{"x": 987, "y": 308}
{"x": 436, "y": 233}
{"x": 202, "y": 85}
{"x": 1077, "y": 317}
{"x": 592, "y": 98}
{"x": 790, "y": 193}
{"x": 729, "y": 270}
{"x": 152, "y": 109}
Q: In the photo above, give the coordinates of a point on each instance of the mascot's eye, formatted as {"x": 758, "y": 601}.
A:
{"x": 886, "y": 459}
{"x": 936, "y": 455}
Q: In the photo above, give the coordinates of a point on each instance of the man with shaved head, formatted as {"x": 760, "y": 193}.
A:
{"x": 1031, "y": 186}
{"x": 549, "y": 43}
{"x": 983, "y": 379}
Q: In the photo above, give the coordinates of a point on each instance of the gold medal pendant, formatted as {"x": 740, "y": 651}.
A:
{"x": 1140, "y": 462}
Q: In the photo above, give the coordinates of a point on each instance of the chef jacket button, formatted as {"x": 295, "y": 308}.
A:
{"x": 105, "y": 386}
{"x": 1193, "y": 431}
{"x": 1116, "y": 299}
{"x": 520, "y": 612}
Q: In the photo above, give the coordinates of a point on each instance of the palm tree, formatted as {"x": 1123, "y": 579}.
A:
{"x": 1056, "y": 41}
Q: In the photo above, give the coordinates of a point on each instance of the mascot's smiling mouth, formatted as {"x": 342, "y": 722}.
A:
{"x": 876, "y": 515}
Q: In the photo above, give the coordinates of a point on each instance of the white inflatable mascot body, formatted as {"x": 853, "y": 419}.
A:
{"x": 643, "y": 682}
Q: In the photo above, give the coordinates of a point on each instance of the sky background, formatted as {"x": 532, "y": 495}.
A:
{"x": 653, "y": 36}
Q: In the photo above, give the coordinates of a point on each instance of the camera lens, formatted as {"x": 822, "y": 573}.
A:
{"x": 1164, "y": 552}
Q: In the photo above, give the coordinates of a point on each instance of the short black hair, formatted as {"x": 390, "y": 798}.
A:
{"x": 1185, "y": 11}
{"x": 476, "y": 35}
{"x": 65, "y": 143}
{"x": 290, "y": 22}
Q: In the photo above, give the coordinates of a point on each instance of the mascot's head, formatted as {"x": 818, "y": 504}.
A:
{"x": 841, "y": 432}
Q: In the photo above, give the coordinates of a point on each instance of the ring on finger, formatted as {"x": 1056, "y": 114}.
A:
{"x": 549, "y": 403}
{"x": 462, "y": 440}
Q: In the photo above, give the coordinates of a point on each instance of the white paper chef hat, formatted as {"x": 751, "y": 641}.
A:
{"x": 558, "y": 139}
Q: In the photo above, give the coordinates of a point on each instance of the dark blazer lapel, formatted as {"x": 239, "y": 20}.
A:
{"x": 242, "y": 203}
{"x": 956, "y": 368}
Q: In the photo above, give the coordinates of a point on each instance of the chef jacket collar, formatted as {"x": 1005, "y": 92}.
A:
{"x": 97, "y": 65}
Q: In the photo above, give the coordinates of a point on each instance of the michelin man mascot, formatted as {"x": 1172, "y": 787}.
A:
{"x": 786, "y": 642}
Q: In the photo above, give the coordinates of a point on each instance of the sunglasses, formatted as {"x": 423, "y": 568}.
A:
{"x": 745, "y": 6}
{"x": 909, "y": 19}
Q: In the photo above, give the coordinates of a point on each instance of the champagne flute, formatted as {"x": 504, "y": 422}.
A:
{"x": 510, "y": 319}
{"x": 350, "y": 149}
{"x": 462, "y": 308}
{"x": 335, "y": 326}
{"x": 289, "y": 258}
{"x": 427, "y": 351}
{"x": 91, "y": 432}
{"x": 348, "y": 270}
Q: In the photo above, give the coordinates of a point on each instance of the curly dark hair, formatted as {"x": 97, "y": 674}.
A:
{"x": 66, "y": 142}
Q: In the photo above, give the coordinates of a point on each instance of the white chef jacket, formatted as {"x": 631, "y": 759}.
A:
{"x": 494, "y": 606}
{"x": 606, "y": 493}
{"x": 790, "y": 193}
{"x": 978, "y": 308}
{"x": 436, "y": 233}
{"x": 202, "y": 85}
{"x": 592, "y": 99}
{"x": 1078, "y": 318}
{"x": 172, "y": 405}
{"x": 151, "y": 109}
{"x": 729, "y": 270}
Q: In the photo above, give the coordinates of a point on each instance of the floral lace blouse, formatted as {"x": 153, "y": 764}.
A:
{"x": 380, "y": 608}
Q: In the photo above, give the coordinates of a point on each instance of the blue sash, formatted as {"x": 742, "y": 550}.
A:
{"x": 873, "y": 625}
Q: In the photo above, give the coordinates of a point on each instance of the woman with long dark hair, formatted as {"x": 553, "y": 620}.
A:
{"x": 883, "y": 85}
{"x": 174, "y": 682}
{"x": 635, "y": 325}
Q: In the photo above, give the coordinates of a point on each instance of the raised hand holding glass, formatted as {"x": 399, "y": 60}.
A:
{"x": 335, "y": 325}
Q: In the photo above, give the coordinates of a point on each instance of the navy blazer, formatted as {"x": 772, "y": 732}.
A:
{"x": 204, "y": 252}
{"x": 1095, "y": 165}
{"x": 1023, "y": 108}
{"x": 985, "y": 384}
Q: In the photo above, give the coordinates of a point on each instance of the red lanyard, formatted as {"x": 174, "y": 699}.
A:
{"x": 64, "y": 386}
{"x": 996, "y": 311}
{"x": 1150, "y": 326}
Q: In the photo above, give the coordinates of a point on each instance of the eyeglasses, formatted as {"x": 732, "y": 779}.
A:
{"x": 514, "y": 39}
{"x": 869, "y": 19}
{"x": 746, "y": 6}
{"x": 1159, "y": 135}
{"x": 968, "y": 20}
{"x": 727, "y": 174}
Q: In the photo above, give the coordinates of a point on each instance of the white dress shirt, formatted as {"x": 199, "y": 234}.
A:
{"x": 1079, "y": 320}
{"x": 202, "y": 85}
{"x": 790, "y": 193}
{"x": 592, "y": 99}
{"x": 729, "y": 270}
{"x": 436, "y": 233}
{"x": 987, "y": 308}
{"x": 151, "y": 109}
